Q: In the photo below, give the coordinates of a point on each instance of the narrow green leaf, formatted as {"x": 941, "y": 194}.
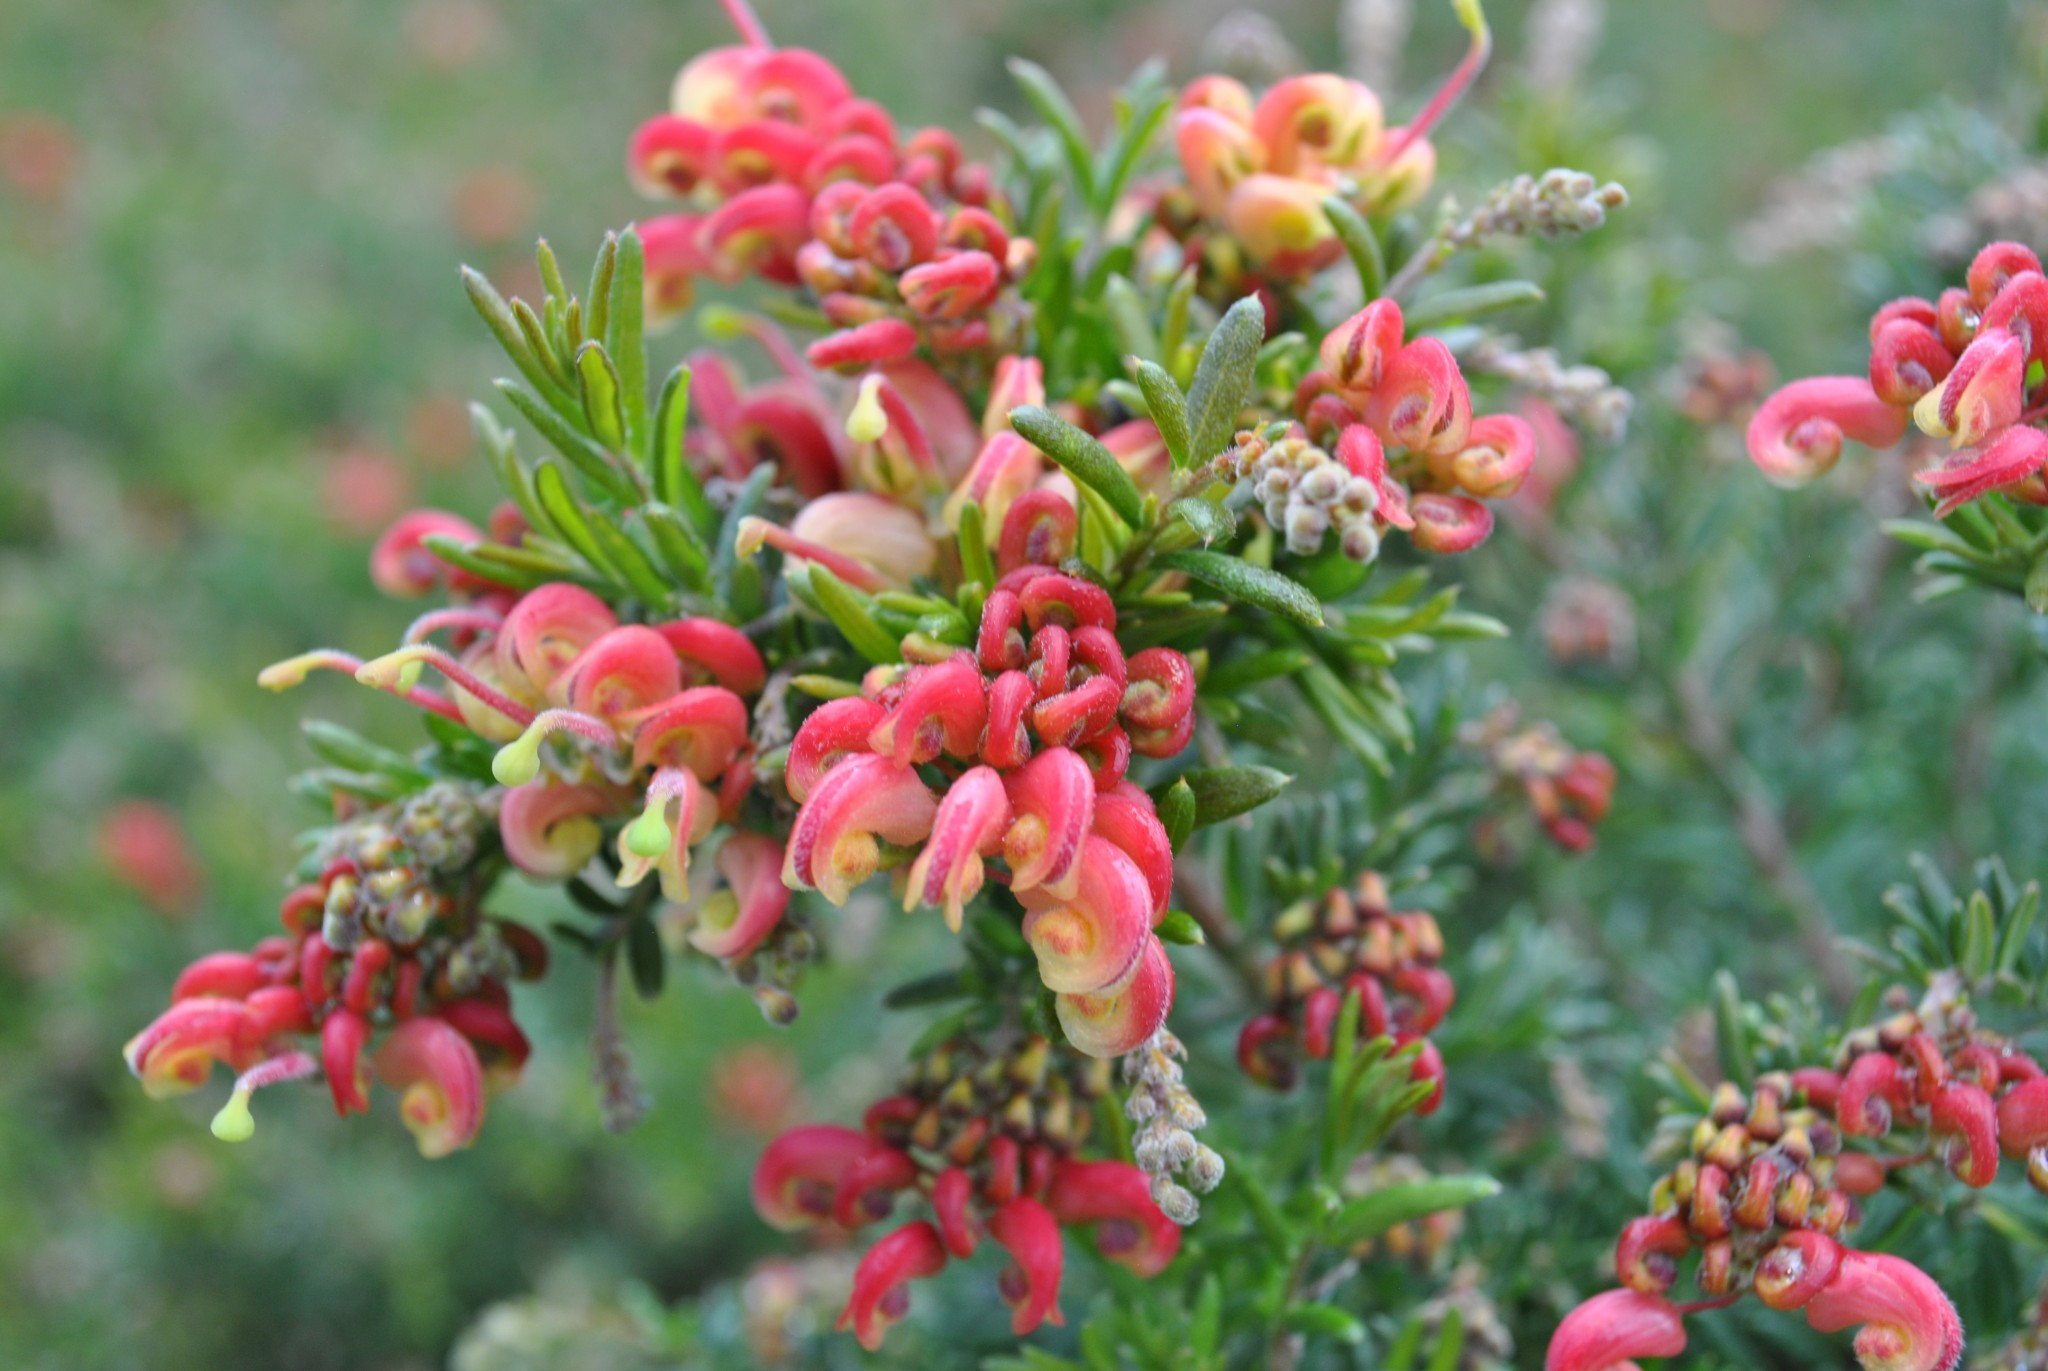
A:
{"x": 1472, "y": 300}
{"x": 587, "y": 457}
{"x": 1450, "y": 1342}
{"x": 504, "y": 326}
{"x": 1180, "y": 927}
{"x": 2036, "y": 591}
{"x": 849, "y": 612}
{"x": 682, "y": 551}
{"x": 598, "y": 387}
{"x": 1053, "y": 106}
{"x": 1083, "y": 458}
{"x": 597, "y": 301}
{"x": 975, "y": 563}
{"x": 550, "y": 272}
{"x": 1241, "y": 673}
{"x": 346, "y": 748}
{"x": 1224, "y": 792}
{"x": 675, "y": 483}
{"x": 625, "y": 338}
{"x": 1325, "y": 1320}
{"x": 1173, "y": 328}
{"x": 1177, "y": 813}
{"x": 457, "y": 553}
{"x": 1129, "y": 317}
{"x": 1168, "y": 408}
{"x": 1257, "y": 586}
{"x": 1223, "y": 378}
{"x": 1361, "y": 245}
{"x": 936, "y": 988}
{"x": 1374, "y": 1214}
{"x": 569, "y": 518}
{"x": 1730, "y": 1033}
{"x": 635, "y": 569}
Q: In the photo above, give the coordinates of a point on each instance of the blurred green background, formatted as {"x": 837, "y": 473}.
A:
{"x": 233, "y": 345}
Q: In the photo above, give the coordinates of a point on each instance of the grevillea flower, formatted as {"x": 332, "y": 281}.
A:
{"x": 736, "y": 919}
{"x": 1609, "y": 1331}
{"x": 1797, "y": 434}
{"x": 441, "y": 1080}
{"x": 1908, "y": 1323}
{"x": 1091, "y": 937}
{"x": 861, "y": 802}
{"x": 1116, "y": 1199}
{"x": 145, "y": 847}
{"x": 1122, "y": 1015}
{"x": 801, "y": 1171}
{"x": 401, "y": 563}
{"x": 969, "y": 826}
{"x": 881, "y": 1285}
{"x": 1030, "y": 1285}
{"x": 551, "y": 829}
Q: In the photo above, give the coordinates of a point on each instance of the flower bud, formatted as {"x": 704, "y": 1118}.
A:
{"x": 1797, "y": 434}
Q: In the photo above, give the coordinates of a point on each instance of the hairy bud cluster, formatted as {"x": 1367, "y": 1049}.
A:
{"x": 1568, "y": 791}
{"x": 389, "y": 942}
{"x": 986, "y": 1140}
{"x": 1962, "y": 367}
{"x": 1349, "y": 942}
{"x": 1168, "y": 1116}
{"x": 1305, "y": 493}
{"x": 1559, "y": 203}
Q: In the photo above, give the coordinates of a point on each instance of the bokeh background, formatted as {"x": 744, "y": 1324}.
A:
{"x": 233, "y": 346}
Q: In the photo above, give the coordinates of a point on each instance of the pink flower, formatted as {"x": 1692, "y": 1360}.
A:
{"x": 881, "y": 1294}
{"x": 440, "y": 1080}
{"x": 1609, "y": 1331}
{"x": 1116, "y": 1198}
{"x": 1797, "y": 434}
{"x": 1909, "y": 1324}
{"x": 1030, "y": 1285}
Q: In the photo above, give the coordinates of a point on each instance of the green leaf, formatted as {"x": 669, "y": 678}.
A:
{"x": 499, "y": 450}
{"x": 1224, "y": 792}
{"x": 1256, "y": 586}
{"x": 1471, "y": 300}
{"x": 569, "y": 518}
{"x": 648, "y": 960}
{"x": 1374, "y": 1214}
{"x": 536, "y": 335}
{"x": 598, "y": 383}
{"x": 682, "y": 551}
{"x": 975, "y": 563}
{"x": 1731, "y": 1034}
{"x": 625, "y": 339}
{"x": 587, "y": 457}
{"x": 498, "y": 316}
{"x": 1180, "y": 927}
{"x": 1083, "y": 458}
{"x": 674, "y": 483}
{"x": 1241, "y": 673}
{"x": 1053, "y": 106}
{"x": 634, "y": 567}
{"x": 346, "y": 748}
{"x": 936, "y": 988}
{"x": 1213, "y": 523}
{"x": 1129, "y": 317}
{"x": 597, "y": 301}
{"x": 1167, "y": 406}
{"x": 1361, "y": 245}
{"x": 1176, "y": 805}
{"x": 469, "y": 557}
{"x": 1450, "y": 1342}
{"x": 1223, "y": 378}
{"x": 1325, "y": 1320}
{"x": 849, "y": 612}
{"x": 2036, "y": 591}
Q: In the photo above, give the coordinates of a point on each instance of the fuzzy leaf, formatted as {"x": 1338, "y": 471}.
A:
{"x": 1083, "y": 458}
{"x": 1168, "y": 408}
{"x": 1256, "y": 586}
{"x": 1224, "y": 377}
{"x": 1224, "y": 792}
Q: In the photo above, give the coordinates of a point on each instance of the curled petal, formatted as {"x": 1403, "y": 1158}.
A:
{"x": 868, "y": 1189}
{"x": 700, "y": 730}
{"x": 1907, "y": 359}
{"x": 1090, "y": 939}
{"x": 669, "y": 155}
{"x": 1116, "y": 1198}
{"x": 2013, "y": 456}
{"x": 758, "y": 152}
{"x": 894, "y": 227}
{"x": 223, "y": 975}
{"x": 969, "y": 826}
{"x": 1356, "y": 352}
{"x": 1802, "y": 1265}
{"x": 1018, "y": 381}
{"x": 1053, "y": 796}
{"x": 1609, "y": 1331}
{"x": 711, "y": 86}
{"x": 673, "y": 245}
{"x": 1421, "y": 402}
{"x": 1307, "y": 123}
{"x": 735, "y": 920}
{"x": 501, "y": 1045}
{"x": 627, "y": 670}
{"x": 1031, "y": 1284}
{"x": 1118, "y": 1019}
{"x": 342, "y": 1041}
{"x": 680, "y": 813}
{"x": 1498, "y": 455}
{"x": 1125, "y": 816}
{"x": 546, "y": 631}
{"x": 1004, "y": 469}
{"x": 1217, "y": 152}
{"x": 758, "y": 232}
{"x": 799, "y": 1173}
{"x": 943, "y": 710}
{"x": 795, "y": 85}
{"x": 881, "y": 1294}
{"x": 1646, "y": 1256}
{"x": 1007, "y": 743}
{"x": 550, "y": 830}
{"x": 440, "y": 1080}
{"x": 1065, "y": 719}
{"x": 710, "y": 649}
{"x": 833, "y": 846}
{"x": 401, "y": 564}
{"x": 1797, "y": 434}
{"x": 177, "y": 1051}
{"x": 875, "y": 532}
{"x": 952, "y": 287}
{"x": 874, "y": 343}
{"x": 781, "y": 425}
{"x": 1871, "y": 1089}
{"x": 952, "y": 1193}
{"x": 1965, "y": 1115}
{"x": 1160, "y": 691}
{"x": 1984, "y": 393}
{"x": 2023, "y": 1117}
{"x": 1996, "y": 264}
{"x": 1067, "y": 601}
{"x": 834, "y": 731}
{"x": 2021, "y": 308}
{"x": 1909, "y": 1324}
{"x": 1449, "y": 523}
{"x": 1038, "y": 526}
{"x": 1281, "y": 224}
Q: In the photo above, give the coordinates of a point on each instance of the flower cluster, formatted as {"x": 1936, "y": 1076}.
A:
{"x": 1029, "y": 736}
{"x": 388, "y": 939}
{"x": 988, "y": 1140}
{"x": 1768, "y": 1192}
{"x": 1567, "y": 790}
{"x": 1963, "y": 367}
{"x": 799, "y": 181}
{"x": 1350, "y": 942}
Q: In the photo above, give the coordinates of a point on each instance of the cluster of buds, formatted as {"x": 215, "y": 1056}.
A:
{"x": 1029, "y": 735}
{"x": 390, "y": 939}
{"x": 795, "y": 179}
{"x": 1168, "y": 1116}
{"x": 988, "y": 1140}
{"x": 1963, "y": 367}
{"x": 1770, "y": 1189}
{"x": 1259, "y": 171}
{"x": 1350, "y": 942}
{"x": 1568, "y": 791}
{"x": 1386, "y": 439}
{"x": 1557, "y": 204}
